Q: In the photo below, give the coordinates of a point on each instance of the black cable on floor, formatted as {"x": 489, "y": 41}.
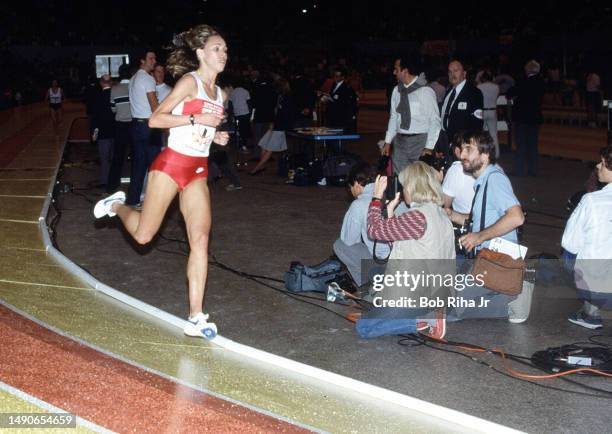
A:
{"x": 241, "y": 273}
{"x": 76, "y": 193}
{"x": 592, "y": 340}
{"x": 427, "y": 344}
{"x": 254, "y": 278}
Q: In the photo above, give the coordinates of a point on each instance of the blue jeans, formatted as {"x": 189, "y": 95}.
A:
{"x": 568, "y": 260}
{"x": 592, "y": 300}
{"x": 143, "y": 154}
{"x": 388, "y": 322}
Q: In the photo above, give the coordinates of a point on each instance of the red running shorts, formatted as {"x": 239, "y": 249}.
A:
{"x": 183, "y": 169}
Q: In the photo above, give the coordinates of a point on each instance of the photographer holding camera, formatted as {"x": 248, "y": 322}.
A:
{"x": 422, "y": 237}
{"x": 495, "y": 200}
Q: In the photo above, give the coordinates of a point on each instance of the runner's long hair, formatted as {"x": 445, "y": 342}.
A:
{"x": 183, "y": 57}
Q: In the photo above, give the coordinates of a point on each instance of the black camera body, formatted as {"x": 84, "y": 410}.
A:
{"x": 393, "y": 187}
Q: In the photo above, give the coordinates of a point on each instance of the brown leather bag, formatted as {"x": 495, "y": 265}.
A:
{"x": 499, "y": 272}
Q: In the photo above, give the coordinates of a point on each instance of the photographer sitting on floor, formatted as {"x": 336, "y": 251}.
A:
{"x": 354, "y": 244}
{"x": 423, "y": 245}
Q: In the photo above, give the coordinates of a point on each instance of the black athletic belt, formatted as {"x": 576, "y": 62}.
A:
{"x": 140, "y": 119}
{"x": 410, "y": 135}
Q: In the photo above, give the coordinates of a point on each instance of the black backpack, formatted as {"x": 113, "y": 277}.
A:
{"x": 337, "y": 167}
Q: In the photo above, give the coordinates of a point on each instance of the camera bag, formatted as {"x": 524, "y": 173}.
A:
{"x": 302, "y": 278}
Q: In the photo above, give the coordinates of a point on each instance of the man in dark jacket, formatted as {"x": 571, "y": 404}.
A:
{"x": 462, "y": 106}
{"x": 263, "y": 98}
{"x": 341, "y": 103}
{"x": 304, "y": 96}
{"x": 527, "y": 98}
{"x": 103, "y": 122}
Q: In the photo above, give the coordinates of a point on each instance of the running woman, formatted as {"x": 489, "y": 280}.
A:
{"x": 192, "y": 112}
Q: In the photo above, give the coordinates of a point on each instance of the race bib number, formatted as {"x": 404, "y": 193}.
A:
{"x": 202, "y": 136}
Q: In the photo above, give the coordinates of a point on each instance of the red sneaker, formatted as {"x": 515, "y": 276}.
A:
{"x": 438, "y": 330}
{"x": 420, "y": 326}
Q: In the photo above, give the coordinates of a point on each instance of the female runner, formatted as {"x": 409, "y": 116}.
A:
{"x": 192, "y": 112}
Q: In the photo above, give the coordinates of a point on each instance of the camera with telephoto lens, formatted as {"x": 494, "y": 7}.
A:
{"x": 393, "y": 187}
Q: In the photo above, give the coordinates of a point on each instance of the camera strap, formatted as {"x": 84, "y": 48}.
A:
{"x": 483, "y": 211}
{"x": 470, "y": 220}
{"x": 378, "y": 260}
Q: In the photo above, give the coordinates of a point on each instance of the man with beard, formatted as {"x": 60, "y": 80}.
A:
{"x": 503, "y": 213}
{"x": 502, "y": 217}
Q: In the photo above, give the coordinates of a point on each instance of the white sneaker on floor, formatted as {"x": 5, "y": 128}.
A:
{"x": 104, "y": 206}
{"x": 198, "y": 326}
{"x": 519, "y": 309}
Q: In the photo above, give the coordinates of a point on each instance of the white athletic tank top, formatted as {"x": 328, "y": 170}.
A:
{"x": 55, "y": 97}
{"x": 195, "y": 140}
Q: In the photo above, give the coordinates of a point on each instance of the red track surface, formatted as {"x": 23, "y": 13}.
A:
{"x": 109, "y": 392}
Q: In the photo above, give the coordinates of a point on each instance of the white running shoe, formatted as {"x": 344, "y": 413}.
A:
{"x": 198, "y": 326}
{"x": 104, "y": 206}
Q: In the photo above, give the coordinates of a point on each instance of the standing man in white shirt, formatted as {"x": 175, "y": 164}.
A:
{"x": 161, "y": 88}
{"x": 588, "y": 235}
{"x": 143, "y": 102}
{"x": 458, "y": 186}
{"x": 241, "y": 106}
{"x": 490, "y": 92}
{"x": 414, "y": 121}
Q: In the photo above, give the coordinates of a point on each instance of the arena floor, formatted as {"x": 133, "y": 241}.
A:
{"x": 118, "y": 368}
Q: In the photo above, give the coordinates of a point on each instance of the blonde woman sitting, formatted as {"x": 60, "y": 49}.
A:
{"x": 423, "y": 252}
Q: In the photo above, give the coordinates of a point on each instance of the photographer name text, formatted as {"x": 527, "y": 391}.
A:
{"x": 427, "y": 302}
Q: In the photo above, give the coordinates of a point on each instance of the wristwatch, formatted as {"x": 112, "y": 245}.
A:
{"x": 192, "y": 120}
